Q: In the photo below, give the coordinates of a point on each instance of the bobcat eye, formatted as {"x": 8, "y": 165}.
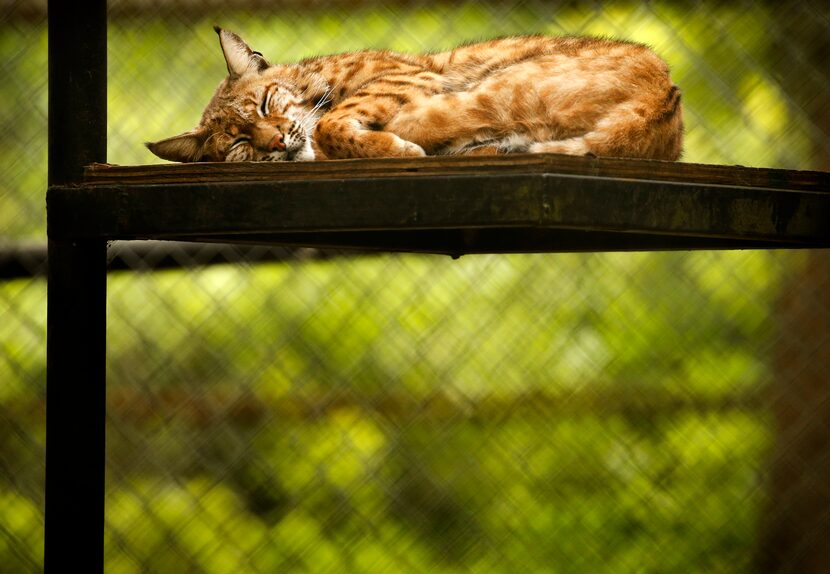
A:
{"x": 264, "y": 107}
{"x": 239, "y": 141}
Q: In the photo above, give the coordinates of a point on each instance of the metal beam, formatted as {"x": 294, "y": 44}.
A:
{"x": 76, "y": 307}
{"x": 30, "y": 260}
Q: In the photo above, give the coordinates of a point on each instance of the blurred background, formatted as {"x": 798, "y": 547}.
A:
{"x": 298, "y": 411}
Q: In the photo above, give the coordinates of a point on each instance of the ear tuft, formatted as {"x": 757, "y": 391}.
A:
{"x": 186, "y": 147}
{"x": 238, "y": 55}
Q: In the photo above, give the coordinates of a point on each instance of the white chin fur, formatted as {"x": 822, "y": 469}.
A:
{"x": 301, "y": 155}
{"x": 305, "y": 154}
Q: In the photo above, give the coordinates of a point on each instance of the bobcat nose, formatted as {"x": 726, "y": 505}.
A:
{"x": 276, "y": 143}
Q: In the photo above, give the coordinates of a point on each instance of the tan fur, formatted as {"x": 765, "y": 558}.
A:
{"x": 524, "y": 94}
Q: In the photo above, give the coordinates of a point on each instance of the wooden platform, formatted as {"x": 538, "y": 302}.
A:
{"x": 452, "y": 205}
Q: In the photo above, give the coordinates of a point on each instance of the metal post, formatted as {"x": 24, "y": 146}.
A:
{"x": 75, "y": 405}
{"x": 76, "y": 310}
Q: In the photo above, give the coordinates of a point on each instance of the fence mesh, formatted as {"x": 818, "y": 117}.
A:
{"x": 643, "y": 412}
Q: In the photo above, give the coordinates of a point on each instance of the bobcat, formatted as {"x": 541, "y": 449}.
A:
{"x": 571, "y": 95}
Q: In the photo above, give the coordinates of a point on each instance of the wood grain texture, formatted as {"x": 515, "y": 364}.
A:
{"x": 452, "y": 205}
{"x": 104, "y": 174}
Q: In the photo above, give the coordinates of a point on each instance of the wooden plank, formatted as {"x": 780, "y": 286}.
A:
{"x": 201, "y": 211}
{"x": 109, "y": 175}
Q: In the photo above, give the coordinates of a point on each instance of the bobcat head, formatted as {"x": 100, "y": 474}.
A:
{"x": 259, "y": 112}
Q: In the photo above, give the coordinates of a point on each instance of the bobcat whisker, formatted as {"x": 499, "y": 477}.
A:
{"x": 309, "y": 118}
{"x": 323, "y": 101}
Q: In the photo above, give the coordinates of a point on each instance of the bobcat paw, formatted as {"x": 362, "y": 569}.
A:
{"x": 572, "y": 146}
{"x": 410, "y": 149}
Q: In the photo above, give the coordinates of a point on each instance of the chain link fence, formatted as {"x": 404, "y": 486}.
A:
{"x": 308, "y": 412}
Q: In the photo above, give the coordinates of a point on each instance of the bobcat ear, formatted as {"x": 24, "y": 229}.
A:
{"x": 186, "y": 147}
{"x": 238, "y": 55}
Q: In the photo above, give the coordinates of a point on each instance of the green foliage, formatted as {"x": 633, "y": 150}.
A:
{"x": 438, "y": 451}
{"x": 541, "y": 413}
{"x": 645, "y": 321}
{"x": 23, "y": 101}
{"x": 585, "y": 494}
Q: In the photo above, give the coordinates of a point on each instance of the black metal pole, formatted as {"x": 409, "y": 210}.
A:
{"x": 76, "y": 307}
{"x": 77, "y": 88}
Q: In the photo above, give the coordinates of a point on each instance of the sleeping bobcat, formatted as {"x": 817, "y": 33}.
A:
{"x": 569, "y": 95}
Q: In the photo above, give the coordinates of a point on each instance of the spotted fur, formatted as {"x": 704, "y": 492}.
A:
{"x": 571, "y": 95}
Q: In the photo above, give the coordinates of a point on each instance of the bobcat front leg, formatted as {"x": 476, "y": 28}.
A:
{"x": 351, "y": 130}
